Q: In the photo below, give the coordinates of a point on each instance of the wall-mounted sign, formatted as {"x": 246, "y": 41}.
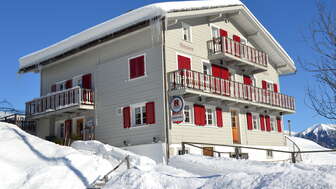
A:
{"x": 176, "y": 104}
{"x": 177, "y": 117}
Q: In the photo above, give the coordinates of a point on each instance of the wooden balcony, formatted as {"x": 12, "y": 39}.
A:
{"x": 239, "y": 54}
{"x": 186, "y": 81}
{"x": 70, "y": 100}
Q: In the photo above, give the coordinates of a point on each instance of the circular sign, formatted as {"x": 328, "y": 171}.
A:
{"x": 176, "y": 104}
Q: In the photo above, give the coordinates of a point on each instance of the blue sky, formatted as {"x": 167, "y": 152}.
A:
{"x": 27, "y": 26}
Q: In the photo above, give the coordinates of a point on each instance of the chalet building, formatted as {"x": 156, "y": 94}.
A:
{"x": 115, "y": 80}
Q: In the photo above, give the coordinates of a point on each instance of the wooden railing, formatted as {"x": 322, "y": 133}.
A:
{"x": 241, "y": 51}
{"x": 206, "y": 83}
{"x": 60, "y": 100}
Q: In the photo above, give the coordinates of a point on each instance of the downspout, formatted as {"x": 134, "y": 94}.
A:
{"x": 166, "y": 108}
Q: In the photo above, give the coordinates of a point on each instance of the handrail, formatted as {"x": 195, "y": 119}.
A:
{"x": 237, "y": 49}
{"x": 105, "y": 178}
{"x": 209, "y": 84}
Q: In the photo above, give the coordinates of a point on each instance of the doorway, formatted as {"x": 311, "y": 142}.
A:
{"x": 79, "y": 128}
{"x": 235, "y": 127}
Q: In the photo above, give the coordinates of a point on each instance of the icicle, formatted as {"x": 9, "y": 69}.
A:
{"x": 155, "y": 30}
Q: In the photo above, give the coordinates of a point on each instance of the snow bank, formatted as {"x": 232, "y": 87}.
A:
{"x": 113, "y": 153}
{"x": 27, "y": 161}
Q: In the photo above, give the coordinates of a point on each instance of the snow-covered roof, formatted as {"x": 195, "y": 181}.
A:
{"x": 117, "y": 24}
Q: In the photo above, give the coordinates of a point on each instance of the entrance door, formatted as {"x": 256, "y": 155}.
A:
{"x": 208, "y": 151}
{"x": 235, "y": 127}
{"x": 80, "y": 126}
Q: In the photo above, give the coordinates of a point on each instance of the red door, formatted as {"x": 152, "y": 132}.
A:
{"x": 223, "y": 34}
{"x": 222, "y": 73}
{"x": 248, "y": 89}
{"x": 183, "y": 62}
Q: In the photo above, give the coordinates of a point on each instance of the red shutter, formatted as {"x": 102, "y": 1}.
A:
{"x": 183, "y": 62}
{"x": 216, "y": 71}
{"x": 262, "y": 122}
{"x": 279, "y": 125}
{"x": 225, "y": 74}
{"x": 264, "y": 84}
{"x": 127, "y": 117}
{"x": 223, "y": 33}
{"x": 275, "y": 86}
{"x": 68, "y": 84}
{"x": 199, "y": 114}
{"x": 86, "y": 79}
{"x": 219, "y": 117}
{"x": 53, "y": 88}
{"x": 247, "y": 80}
{"x": 141, "y": 66}
{"x": 236, "y": 45}
{"x": 268, "y": 123}
{"x": 150, "y": 112}
{"x": 249, "y": 121}
{"x": 133, "y": 68}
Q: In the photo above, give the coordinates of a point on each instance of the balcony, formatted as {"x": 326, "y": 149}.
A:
{"x": 239, "y": 54}
{"x": 186, "y": 81}
{"x": 70, "y": 100}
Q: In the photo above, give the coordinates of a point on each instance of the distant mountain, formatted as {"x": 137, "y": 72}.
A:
{"x": 322, "y": 134}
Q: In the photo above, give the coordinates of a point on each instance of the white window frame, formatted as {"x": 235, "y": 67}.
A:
{"x": 255, "y": 115}
{"x": 191, "y": 114}
{"x": 273, "y": 120}
{"x": 271, "y": 83}
{"x": 129, "y": 69}
{"x": 207, "y": 64}
{"x": 58, "y": 85}
{"x": 76, "y": 79}
{"x": 133, "y": 116}
{"x": 188, "y": 32}
{"x": 214, "y": 118}
{"x": 218, "y": 32}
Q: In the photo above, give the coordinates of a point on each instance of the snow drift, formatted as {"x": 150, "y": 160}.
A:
{"x": 114, "y": 154}
{"x": 27, "y": 161}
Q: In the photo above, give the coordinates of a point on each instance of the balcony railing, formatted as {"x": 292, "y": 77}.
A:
{"x": 238, "y": 50}
{"x": 60, "y": 100}
{"x": 182, "y": 79}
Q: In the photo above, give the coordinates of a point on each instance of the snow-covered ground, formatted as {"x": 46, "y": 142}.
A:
{"x": 29, "y": 162}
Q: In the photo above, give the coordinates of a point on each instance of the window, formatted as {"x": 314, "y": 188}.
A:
{"x": 214, "y": 32}
{"x": 206, "y": 68}
{"x": 209, "y": 116}
{"x": 136, "y": 67}
{"x": 186, "y": 30}
{"x": 256, "y": 122}
{"x": 272, "y": 123}
{"x": 77, "y": 81}
{"x": 180, "y": 151}
{"x": 140, "y": 115}
{"x": 61, "y": 86}
{"x": 187, "y": 114}
{"x": 270, "y": 86}
{"x": 269, "y": 154}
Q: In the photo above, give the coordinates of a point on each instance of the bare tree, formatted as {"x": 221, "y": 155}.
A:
{"x": 322, "y": 39}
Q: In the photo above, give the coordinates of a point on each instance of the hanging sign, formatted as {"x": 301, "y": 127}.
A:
{"x": 177, "y": 106}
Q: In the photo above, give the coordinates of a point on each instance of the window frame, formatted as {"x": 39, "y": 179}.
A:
{"x": 129, "y": 68}
{"x": 213, "y": 113}
{"x": 189, "y": 31}
{"x": 257, "y": 116}
{"x": 191, "y": 114}
{"x": 142, "y": 106}
{"x": 273, "y": 120}
{"x": 208, "y": 65}
{"x": 75, "y": 80}
{"x": 59, "y": 84}
{"x": 217, "y": 28}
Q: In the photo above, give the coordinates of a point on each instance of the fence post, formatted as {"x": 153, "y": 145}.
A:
{"x": 183, "y": 148}
{"x": 128, "y": 162}
{"x": 237, "y": 152}
{"x": 293, "y": 157}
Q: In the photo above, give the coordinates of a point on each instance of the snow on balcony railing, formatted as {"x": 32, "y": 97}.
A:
{"x": 241, "y": 51}
{"x": 182, "y": 79}
{"x": 60, "y": 100}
